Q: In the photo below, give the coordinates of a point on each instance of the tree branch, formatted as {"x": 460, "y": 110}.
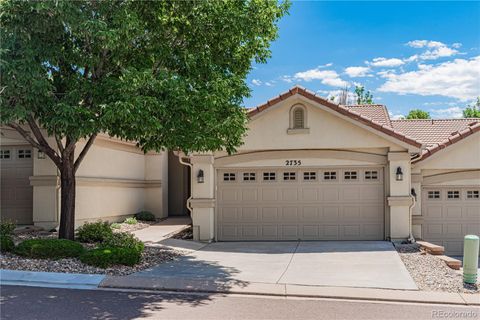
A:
{"x": 84, "y": 152}
{"x": 59, "y": 143}
{"x": 45, "y": 147}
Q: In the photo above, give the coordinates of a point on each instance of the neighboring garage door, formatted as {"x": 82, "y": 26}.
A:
{"x": 449, "y": 213}
{"x": 16, "y": 200}
{"x": 300, "y": 203}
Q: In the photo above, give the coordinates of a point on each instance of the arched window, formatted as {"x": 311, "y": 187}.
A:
{"x": 298, "y": 118}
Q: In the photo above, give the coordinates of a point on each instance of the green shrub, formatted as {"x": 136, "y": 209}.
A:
{"x": 145, "y": 216}
{"x": 7, "y": 227}
{"x": 94, "y": 231}
{"x": 106, "y": 257}
{"x": 130, "y": 221}
{"x": 49, "y": 248}
{"x": 123, "y": 240}
{"x": 115, "y": 225}
{"x": 6, "y": 243}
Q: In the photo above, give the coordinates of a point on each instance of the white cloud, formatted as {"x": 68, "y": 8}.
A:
{"x": 386, "y": 73}
{"x": 327, "y": 77}
{"x": 396, "y": 116}
{"x": 384, "y": 62}
{"x": 355, "y": 72}
{"x": 457, "y": 79}
{"x": 256, "y": 82}
{"x": 453, "y": 112}
{"x": 269, "y": 83}
{"x": 435, "y": 49}
{"x": 286, "y": 78}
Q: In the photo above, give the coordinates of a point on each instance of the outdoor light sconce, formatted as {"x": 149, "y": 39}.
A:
{"x": 399, "y": 174}
{"x": 200, "y": 176}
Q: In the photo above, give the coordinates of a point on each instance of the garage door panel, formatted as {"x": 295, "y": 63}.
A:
{"x": 331, "y": 213}
{"x": 309, "y": 194}
{"x": 310, "y": 209}
{"x": 350, "y": 213}
{"x": 451, "y": 212}
{"x": 448, "y": 219}
{"x": 290, "y": 214}
{"x": 331, "y": 194}
{"x": 270, "y": 214}
{"x": 351, "y": 194}
{"x": 310, "y": 214}
{"x": 289, "y": 194}
{"x": 269, "y": 194}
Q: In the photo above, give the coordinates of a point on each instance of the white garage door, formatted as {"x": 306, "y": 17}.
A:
{"x": 450, "y": 213}
{"x": 16, "y": 193}
{"x": 306, "y": 204}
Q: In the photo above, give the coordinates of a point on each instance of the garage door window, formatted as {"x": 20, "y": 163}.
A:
{"x": 350, "y": 175}
{"x": 269, "y": 176}
{"x": 473, "y": 194}
{"x": 24, "y": 154}
{"x": 4, "y": 154}
{"x": 310, "y": 176}
{"x": 249, "y": 176}
{"x": 371, "y": 175}
{"x": 433, "y": 194}
{"x": 453, "y": 194}
{"x": 289, "y": 176}
{"x": 330, "y": 175}
{"x": 229, "y": 177}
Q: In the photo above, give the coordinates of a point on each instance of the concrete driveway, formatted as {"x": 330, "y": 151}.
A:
{"x": 372, "y": 264}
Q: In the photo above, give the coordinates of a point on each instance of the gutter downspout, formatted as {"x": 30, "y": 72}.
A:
{"x": 411, "y": 238}
{"x": 180, "y": 159}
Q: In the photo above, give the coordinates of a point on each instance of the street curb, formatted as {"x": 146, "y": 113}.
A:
{"x": 287, "y": 290}
{"x": 50, "y": 279}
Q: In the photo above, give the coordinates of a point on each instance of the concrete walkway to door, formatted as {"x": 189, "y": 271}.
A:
{"x": 367, "y": 264}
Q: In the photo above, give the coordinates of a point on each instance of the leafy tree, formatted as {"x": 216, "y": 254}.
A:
{"x": 363, "y": 97}
{"x": 418, "y": 114}
{"x": 167, "y": 74}
{"x": 472, "y": 111}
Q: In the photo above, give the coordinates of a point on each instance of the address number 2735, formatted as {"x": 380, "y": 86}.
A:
{"x": 293, "y": 162}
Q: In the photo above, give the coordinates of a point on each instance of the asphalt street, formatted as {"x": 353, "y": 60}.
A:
{"x": 27, "y": 303}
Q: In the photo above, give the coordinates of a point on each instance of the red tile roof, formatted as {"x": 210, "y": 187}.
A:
{"x": 432, "y": 131}
{"x": 353, "y": 113}
{"x": 376, "y": 112}
{"x": 453, "y": 138}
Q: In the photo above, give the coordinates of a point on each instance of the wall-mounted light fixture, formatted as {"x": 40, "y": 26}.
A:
{"x": 41, "y": 155}
{"x": 399, "y": 174}
{"x": 200, "y": 176}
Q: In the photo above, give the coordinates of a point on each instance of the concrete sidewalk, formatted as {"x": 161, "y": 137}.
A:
{"x": 163, "y": 229}
{"x": 50, "y": 279}
{"x": 287, "y": 290}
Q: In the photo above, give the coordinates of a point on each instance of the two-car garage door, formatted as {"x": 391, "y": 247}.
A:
{"x": 300, "y": 203}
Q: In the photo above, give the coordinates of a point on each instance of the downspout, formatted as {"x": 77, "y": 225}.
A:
{"x": 180, "y": 159}
{"x": 413, "y": 195}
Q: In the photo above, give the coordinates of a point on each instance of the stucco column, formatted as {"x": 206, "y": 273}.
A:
{"x": 203, "y": 197}
{"x": 399, "y": 199}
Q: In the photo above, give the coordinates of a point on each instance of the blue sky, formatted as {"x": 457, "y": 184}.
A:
{"x": 408, "y": 54}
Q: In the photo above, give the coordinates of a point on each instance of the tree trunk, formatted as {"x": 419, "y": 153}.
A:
{"x": 67, "y": 199}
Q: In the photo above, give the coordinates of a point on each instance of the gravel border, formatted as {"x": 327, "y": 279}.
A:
{"x": 430, "y": 273}
{"x": 151, "y": 257}
{"x": 185, "y": 234}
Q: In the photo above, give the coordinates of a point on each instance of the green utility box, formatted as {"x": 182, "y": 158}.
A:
{"x": 470, "y": 258}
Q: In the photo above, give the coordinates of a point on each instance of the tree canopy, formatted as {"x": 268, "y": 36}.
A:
{"x": 472, "y": 111}
{"x": 418, "y": 114}
{"x": 166, "y": 74}
{"x": 363, "y": 96}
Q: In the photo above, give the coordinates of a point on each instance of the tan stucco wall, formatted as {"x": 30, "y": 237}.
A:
{"x": 268, "y": 130}
{"x": 114, "y": 181}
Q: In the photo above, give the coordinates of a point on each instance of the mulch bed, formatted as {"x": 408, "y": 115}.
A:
{"x": 432, "y": 274}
